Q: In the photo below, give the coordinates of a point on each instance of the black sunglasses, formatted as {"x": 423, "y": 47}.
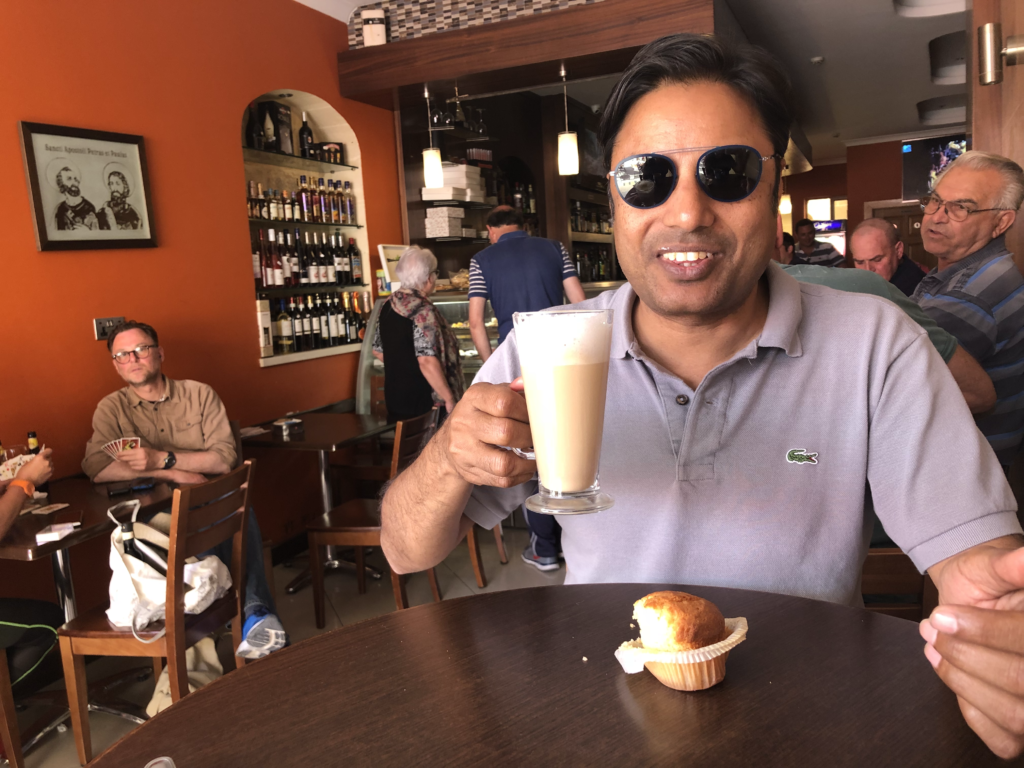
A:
{"x": 726, "y": 174}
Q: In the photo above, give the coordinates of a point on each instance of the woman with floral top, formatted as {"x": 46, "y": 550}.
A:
{"x": 416, "y": 344}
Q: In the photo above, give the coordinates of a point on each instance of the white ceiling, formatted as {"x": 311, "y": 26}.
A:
{"x": 876, "y": 67}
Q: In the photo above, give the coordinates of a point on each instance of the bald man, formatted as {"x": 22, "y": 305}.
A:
{"x": 875, "y": 245}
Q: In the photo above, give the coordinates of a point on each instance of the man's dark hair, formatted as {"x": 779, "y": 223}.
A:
{"x": 803, "y": 223}
{"x": 687, "y": 58}
{"x": 124, "y": 181}
{"x": 128, "y": 325}
{"x": 504, "y": 216}
{"x": 788, "y": 241}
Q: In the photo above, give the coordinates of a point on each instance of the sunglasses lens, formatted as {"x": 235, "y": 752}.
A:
{"x": 645, "y": 181}
{"x": 729, "y": 174}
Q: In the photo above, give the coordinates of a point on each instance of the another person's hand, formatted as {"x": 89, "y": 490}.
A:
{"x": 488, "y": 416}
{"x": 39, "y": 470}
{"x": 181, "y": 477}
{"x": 142, "y": 459}
{"x": 976, "y": 642}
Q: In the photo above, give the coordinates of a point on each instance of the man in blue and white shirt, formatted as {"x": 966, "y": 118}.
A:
{"x": 811, "y": 251}
{"x": 976, "y": 292}
{"x": 518, "y": 273}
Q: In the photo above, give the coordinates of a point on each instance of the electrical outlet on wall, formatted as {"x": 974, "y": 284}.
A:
{"x": 102, "y": 326}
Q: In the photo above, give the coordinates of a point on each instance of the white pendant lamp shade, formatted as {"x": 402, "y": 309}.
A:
{"x": 433, "y": 176}
{"x": 785, "y": 205}
{"x": 568, "y": 154}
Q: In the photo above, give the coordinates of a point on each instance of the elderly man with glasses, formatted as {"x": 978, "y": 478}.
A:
{"x": 724, "y": 472}
{"x": 976, "y": 292}
{"x": 185, "y": 435}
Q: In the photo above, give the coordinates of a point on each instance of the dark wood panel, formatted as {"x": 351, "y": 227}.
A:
{"x": 521, "y": 53}
{"x": 498, "y": 679}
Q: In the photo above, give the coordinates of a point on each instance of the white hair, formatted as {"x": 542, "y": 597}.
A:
{"x": 414, "y": 268}
{"x": 1012, "y": 194}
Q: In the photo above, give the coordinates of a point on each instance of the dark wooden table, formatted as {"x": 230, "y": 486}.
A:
{"x": 324, "y": 433}
{"x": 499, "y": 680}
{"x": 87, "y": 503}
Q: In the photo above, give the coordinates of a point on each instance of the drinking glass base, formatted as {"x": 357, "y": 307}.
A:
{"x": 545, "y": 503}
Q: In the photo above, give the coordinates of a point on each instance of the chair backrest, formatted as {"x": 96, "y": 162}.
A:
{"x": 203, "y": 516}
{"x": 236, "y": 432}
{"x": 411, "y": 437}
{"x": 888, "y": 571}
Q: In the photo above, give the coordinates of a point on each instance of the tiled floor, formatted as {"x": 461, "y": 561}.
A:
{"x": 344, "y": 606}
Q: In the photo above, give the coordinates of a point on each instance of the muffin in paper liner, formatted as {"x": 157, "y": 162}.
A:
{"x": 684, "y": 670}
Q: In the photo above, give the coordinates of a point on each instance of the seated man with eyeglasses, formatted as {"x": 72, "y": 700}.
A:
{"x": 976, "y": 292}
{"x": 185, "y": 435}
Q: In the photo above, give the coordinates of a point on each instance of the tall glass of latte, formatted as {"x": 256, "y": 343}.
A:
{"x": 563, "y": 356}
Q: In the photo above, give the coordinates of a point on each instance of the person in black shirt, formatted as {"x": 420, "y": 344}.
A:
{"x": 416, "y": 344}
{"x": 875, "y": 245}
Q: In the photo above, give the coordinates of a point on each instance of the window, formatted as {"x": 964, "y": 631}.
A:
{"x": 819, "y": 209}
{"x": 839, "y": 208}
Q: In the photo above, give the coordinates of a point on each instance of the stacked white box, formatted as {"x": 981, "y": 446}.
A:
{"x": 443, "y": 193}
{"x": 443, "y": 227}
{"x": 446, "y": 212}
{"x": 467, "y": 232}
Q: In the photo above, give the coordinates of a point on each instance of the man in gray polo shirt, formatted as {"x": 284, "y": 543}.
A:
{"x": 723, "y": 471}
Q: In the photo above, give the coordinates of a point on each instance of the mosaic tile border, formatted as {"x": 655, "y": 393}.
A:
{"x": 415, "y": 18}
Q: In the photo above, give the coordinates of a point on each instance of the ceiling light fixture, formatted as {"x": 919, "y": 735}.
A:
{"x": 433, "y": 175}
{"x": 568, "y": 148}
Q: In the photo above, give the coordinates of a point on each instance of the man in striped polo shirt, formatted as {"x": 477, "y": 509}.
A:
{"x": 811, "y": 251}
{"x": 976, "y": 292}
{"x": 519, "y": 273}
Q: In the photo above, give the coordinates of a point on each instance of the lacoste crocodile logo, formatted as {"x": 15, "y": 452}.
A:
{"x": 801, "y": 456}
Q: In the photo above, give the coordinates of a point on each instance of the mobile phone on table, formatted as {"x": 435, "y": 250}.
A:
{"x": 140, "y": 484}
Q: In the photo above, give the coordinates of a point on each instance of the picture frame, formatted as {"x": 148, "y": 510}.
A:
{"x": 89, "y": 189}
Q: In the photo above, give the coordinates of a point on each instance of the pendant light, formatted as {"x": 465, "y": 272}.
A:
{"x": 568, "y": 149}
{"x": 433, "y": 176}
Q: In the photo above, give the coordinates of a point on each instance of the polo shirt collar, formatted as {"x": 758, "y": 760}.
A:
{"x": 995, "y": 247}
{"x": 781, "y": 327}
{"x": 135, "y": 400}
{"x": 513, "y": 235}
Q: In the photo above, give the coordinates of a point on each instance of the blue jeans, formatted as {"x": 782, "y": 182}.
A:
{"x": 257, "y": 590}
{"x": 546, "y": 533}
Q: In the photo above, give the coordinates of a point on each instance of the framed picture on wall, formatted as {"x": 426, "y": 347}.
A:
{"x": 89, "y": 189}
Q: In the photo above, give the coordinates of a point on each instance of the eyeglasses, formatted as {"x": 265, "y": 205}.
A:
{"x": 955, "y": 210}
{"x": 726, "y": 174}
{"x": 141, "y": 352}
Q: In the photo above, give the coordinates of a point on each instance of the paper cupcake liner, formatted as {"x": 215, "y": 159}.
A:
{"x": 632, "y": 655}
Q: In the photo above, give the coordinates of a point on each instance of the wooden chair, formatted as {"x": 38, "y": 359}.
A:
{"x": 201, "y": 517}
{"x": 887, "y": 571}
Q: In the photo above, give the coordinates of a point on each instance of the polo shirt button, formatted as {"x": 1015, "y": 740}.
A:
{"x": 682, "y": 399}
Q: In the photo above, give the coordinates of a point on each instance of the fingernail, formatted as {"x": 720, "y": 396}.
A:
{"x": 944, "y": 622}
{"x": 932, "y": 655}
{"x": 928, "y": 632}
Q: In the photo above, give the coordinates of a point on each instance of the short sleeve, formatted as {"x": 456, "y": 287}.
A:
{"x": 933, "y": 501}
{"x": 477, "y": 283}
{"x": 973, "y": 326}
{"x": 944, "y": 342}
{"x": 568, "y": 268}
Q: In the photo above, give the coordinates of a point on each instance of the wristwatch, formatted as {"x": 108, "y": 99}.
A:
{"x": 170, "y": 461}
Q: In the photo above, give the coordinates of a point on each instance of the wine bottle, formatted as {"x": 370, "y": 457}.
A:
{"x": 286, "y": 206}
{"x": 266, "y": 263}
{"x": 305, "y": 200}
{"x": 325, "y": 324}
{"x": 269, "y": 136}
{"x": 293, "y": 255}
{"x": 286, "y": 259}
{"x": 348, "y": 335}
{"x": 305, "y": 137}
{"x": 287, "y": 330}
{"x": 303, "y": 259}
{"x": 257, "y": 274}
{"x": 336, "y": 202}
{"x": 332, "y": 321}
{"x": 350, "y": 204}
{"x": 278, "y": 266}
{"x": 322, "y": 260}
{"x": 355, "y": 262}
{"x": 253, "y": 129}
{"x": 314, "y": 195}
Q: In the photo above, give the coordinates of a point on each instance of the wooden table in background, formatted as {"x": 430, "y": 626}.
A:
{"x": 499, "y": 680}
{"x": 87, "y": 503}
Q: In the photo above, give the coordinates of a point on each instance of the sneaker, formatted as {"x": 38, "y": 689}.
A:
{"x": 262, "y": 634}
{"x": 538, "y": 562}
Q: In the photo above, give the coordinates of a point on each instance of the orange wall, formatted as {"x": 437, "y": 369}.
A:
{"x": 180, "y": 74}
{"x": 874, "y": 172}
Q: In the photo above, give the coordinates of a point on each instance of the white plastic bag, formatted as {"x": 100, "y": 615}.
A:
{"x": 138, "y": 592}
